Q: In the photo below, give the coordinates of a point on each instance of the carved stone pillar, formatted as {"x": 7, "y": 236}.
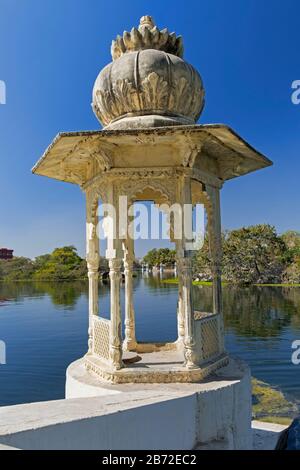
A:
{"x": 185, "y": 272}
{"x": 114, "y": 254}
{"x": 180, "y": 304}
{"x": 184, "y": 262}
{"x": 115, "y": 346}
{"x": 93, "y": 298}
{"x": 92, "y": 257}
{"x": 129, "y": 343}
{"x": 215, "y": 244}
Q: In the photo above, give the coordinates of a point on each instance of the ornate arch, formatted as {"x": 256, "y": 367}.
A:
{"x": 132, "y": 188}
{"x": 214, "y": 227}
{"x": 93, "y": 195}
{"x": 207, "y": 197}
{"x": 203, "y": 198}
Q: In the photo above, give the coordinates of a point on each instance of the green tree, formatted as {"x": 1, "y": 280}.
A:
{"x": 254, "y": 254}
{"x": 41, "y": 260}
{"x": 62, "y": 264}
{"x": 16, "y": 269}
{"x": 159, "y": 256}
{"x": 292, "y": 240}
{"x": 202, "y": 261}
{"x": 292, "y": 256}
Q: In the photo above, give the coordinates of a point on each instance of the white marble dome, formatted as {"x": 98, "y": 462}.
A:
{"x": 148, "y": 84}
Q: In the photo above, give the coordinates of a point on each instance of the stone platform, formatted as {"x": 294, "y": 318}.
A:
{"x": 159, "y": 365}
{"x": 221, "y": 403}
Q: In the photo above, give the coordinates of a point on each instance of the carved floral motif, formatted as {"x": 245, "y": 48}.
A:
{"x": 147, "y": 36}
{"x": 154, "y": 93}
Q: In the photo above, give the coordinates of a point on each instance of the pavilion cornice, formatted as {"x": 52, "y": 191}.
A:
{"x": 77, "y": 157}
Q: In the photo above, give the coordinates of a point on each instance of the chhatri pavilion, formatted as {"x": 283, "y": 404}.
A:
{"x": 148, "y": 100}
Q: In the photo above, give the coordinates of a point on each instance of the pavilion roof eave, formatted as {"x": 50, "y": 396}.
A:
{"x": 235, "y": 155}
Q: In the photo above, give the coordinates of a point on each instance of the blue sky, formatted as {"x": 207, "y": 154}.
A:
{"x": 247, "y": 52}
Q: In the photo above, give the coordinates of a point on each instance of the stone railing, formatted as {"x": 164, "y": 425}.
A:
{"x": 101, "y": 328}
{"x": 208, "y": 336}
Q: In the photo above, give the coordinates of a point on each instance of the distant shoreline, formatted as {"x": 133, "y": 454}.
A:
{"x": 165, "y": 281}
{"x": 209, "y": 283}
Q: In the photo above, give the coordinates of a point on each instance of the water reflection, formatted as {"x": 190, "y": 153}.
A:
{"x": 45, "y": 327}
{"x": 155, "y": 283}
{"x": 258, "y": 311}
{"x": 63, "y": 294}
{"x": 255, "y": 311}
{"x": 250, "y": 311}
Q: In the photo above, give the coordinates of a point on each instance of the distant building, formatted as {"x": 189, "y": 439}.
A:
{"x": 5, "y": 253}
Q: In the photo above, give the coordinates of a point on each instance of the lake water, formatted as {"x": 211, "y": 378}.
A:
{"x": 44, "y": 327}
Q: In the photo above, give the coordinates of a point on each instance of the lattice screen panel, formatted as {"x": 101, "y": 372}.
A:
{"x": 101, "y": 337}
{"x": 210, "y": 337}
